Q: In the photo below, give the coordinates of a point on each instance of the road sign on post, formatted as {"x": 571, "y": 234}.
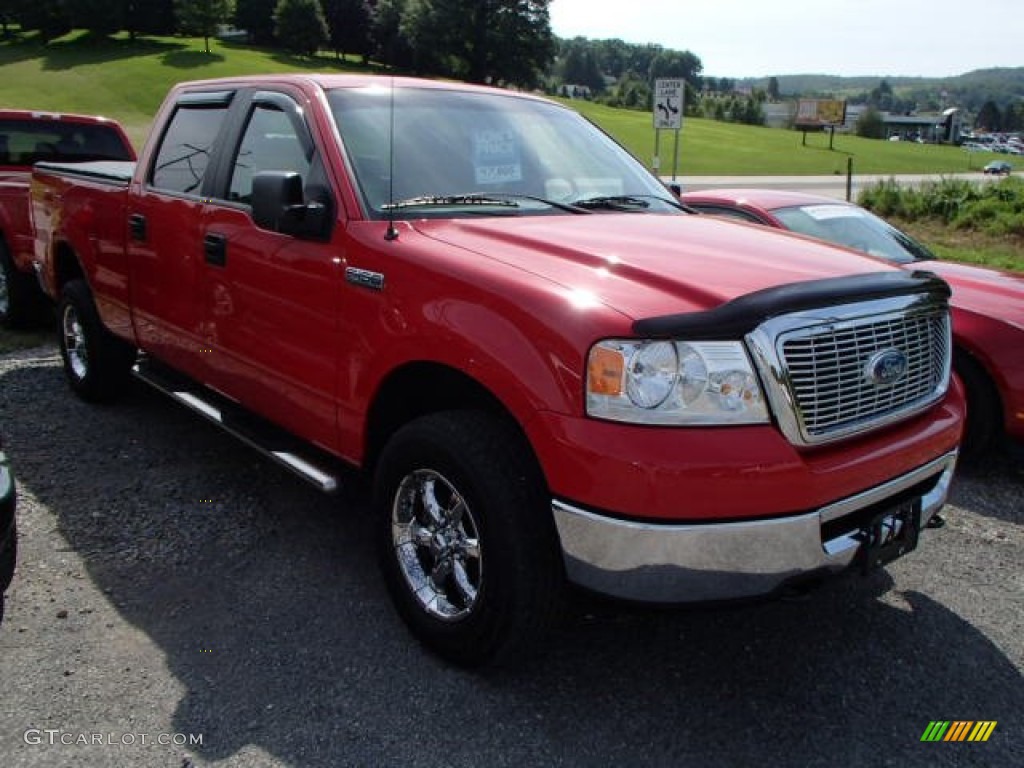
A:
{"x": 669, "y": 95}
{"x": 668, "y": 104}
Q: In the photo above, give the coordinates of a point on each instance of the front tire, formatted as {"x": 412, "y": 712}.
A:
{"x": 984, "y": 409}
{"x": 97, "y": 363}
{"x": 467, "y": 542}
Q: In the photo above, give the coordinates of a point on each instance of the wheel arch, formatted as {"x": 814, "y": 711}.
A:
{"x": 419, "y": 388}
{"x": 66, "y": 267}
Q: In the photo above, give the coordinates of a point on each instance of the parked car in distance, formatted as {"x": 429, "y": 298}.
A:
{"x": 997, "y": 168}
{"x": 26, "y": 138}
{"x": 8, "y": 530}
{"x": 988, "y": 305}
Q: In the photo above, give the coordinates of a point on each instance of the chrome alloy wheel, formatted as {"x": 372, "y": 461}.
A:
{"x": 437, "y": 545}
{"x": 74, "y": 343}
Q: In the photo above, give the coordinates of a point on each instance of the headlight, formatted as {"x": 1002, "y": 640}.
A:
{"x": 673, "y": 382}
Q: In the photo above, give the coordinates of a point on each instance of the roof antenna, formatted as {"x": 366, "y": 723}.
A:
{"x": 391, "y": 233}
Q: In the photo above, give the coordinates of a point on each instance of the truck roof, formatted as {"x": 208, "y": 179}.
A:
{"x": 34, "y": 114}
{"x": 327, "y": 81}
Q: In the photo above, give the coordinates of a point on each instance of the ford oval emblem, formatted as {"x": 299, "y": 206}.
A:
{"x": 886, "y": 367}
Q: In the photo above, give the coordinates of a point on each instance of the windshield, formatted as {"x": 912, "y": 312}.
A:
{"x": 466, "y": 153}
{"x": 855, "y": 228}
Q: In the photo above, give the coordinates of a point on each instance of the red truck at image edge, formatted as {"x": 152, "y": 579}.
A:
{"x": 549, "y": 370}
{"x": 25, "y": 138}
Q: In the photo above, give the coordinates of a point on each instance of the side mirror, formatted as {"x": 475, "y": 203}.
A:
{"x": 278, "y": 204}
{"x": 675, "y": 188}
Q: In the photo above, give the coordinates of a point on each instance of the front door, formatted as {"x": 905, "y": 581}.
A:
{"x": 268, "y": 301}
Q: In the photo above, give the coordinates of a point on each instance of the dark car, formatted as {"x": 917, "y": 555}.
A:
{"x": 8, "y": 528}
{"x": 988, "y": 305}
{"x": 998, "y": 168}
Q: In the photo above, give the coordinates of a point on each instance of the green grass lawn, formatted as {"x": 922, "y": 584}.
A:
{"x": 708, "y": 147}
{"x": 127, "y": 80}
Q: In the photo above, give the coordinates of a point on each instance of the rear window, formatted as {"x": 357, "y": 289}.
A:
{"x": 23, "y": 142}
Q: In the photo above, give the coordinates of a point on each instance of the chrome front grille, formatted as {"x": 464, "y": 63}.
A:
{"x": 859, "y": 368}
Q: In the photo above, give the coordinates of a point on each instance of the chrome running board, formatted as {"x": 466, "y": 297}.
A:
{"x": 280, "y": 446}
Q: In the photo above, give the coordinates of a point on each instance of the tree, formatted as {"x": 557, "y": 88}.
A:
{"x": 150, "y": 17}
{"x": 348, "y": 24}
{"x": 481, "y": 40}
{"x": 101, "y": 17}
{"x": 300, "y": 25}
{"x": 678, "y": 64}
{"x": 202, "y": 17}
{"x": 386, "y": 36}
{"x": 579, "y": 65}
{"x": 882, "y": 97}
{"x": 870, "y": 124}
{"x": 989, "y": 117}
{"x": 257, "y": 18}
{"x": 773, "y": 88}
{"x": 49, "y": 17}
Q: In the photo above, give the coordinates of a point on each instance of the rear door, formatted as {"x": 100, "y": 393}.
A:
{"x": 165, "y": 232}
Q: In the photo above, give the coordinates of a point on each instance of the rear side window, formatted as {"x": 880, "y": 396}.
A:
{"x": 184, "y": 154}
{"x": 23, "y": 142}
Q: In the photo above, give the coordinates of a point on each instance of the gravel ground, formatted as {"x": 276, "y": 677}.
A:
{"x": 172, "y": 585}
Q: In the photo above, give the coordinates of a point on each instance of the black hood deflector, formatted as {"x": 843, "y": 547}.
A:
{"x": 736, "y": 318}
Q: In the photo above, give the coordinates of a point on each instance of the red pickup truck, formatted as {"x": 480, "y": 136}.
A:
{"x": 551, "y": 372}
{"x": 26, "y": 137}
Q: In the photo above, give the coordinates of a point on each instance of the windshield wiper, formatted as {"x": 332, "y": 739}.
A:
{"x": 624, "y": 202}
{"x": 440, "y": 201}
{"x": 498, "y": 199}
{"x": 570, "y": 207}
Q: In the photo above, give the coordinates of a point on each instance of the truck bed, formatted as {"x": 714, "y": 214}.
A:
{"x": 118, "y": 172}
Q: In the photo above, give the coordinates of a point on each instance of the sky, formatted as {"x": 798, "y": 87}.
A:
{"x": 760, "y": 38}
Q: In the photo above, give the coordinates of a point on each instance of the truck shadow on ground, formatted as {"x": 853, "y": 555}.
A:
{"x": 265, "y": 599}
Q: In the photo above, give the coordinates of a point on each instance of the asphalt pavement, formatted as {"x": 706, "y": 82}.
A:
{"x": 180, "y": 602}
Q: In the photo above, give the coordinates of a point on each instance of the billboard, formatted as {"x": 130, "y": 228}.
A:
{"x": 818, "y": 113}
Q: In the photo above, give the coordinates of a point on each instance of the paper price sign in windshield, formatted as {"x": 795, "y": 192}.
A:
{"x": 668, "y": 104}
{"x": 496, "y": 157}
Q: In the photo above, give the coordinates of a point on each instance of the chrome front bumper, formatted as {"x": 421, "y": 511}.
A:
{"x": 717, "y": 561}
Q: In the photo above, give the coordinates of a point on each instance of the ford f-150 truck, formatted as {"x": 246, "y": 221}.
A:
{"x": 551, "y": 372}
{"x": 26, "y": 137}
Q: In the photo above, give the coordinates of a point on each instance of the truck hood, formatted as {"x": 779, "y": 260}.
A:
{"x": 646, "y": 265}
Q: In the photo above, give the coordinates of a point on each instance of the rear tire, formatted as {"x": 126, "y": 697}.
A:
{"x": 20, "y": 297}
{"x": 96, "y": 363}
{"x": 467, "y": 541}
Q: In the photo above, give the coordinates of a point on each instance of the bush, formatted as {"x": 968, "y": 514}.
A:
{"x": 994, "y": 209}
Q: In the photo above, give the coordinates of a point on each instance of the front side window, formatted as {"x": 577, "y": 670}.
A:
{"x": 270, "y": 143}
{"x": 184, "y": 154}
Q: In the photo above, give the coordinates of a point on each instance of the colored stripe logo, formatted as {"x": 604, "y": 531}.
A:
{"x": 959, "y": 730}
